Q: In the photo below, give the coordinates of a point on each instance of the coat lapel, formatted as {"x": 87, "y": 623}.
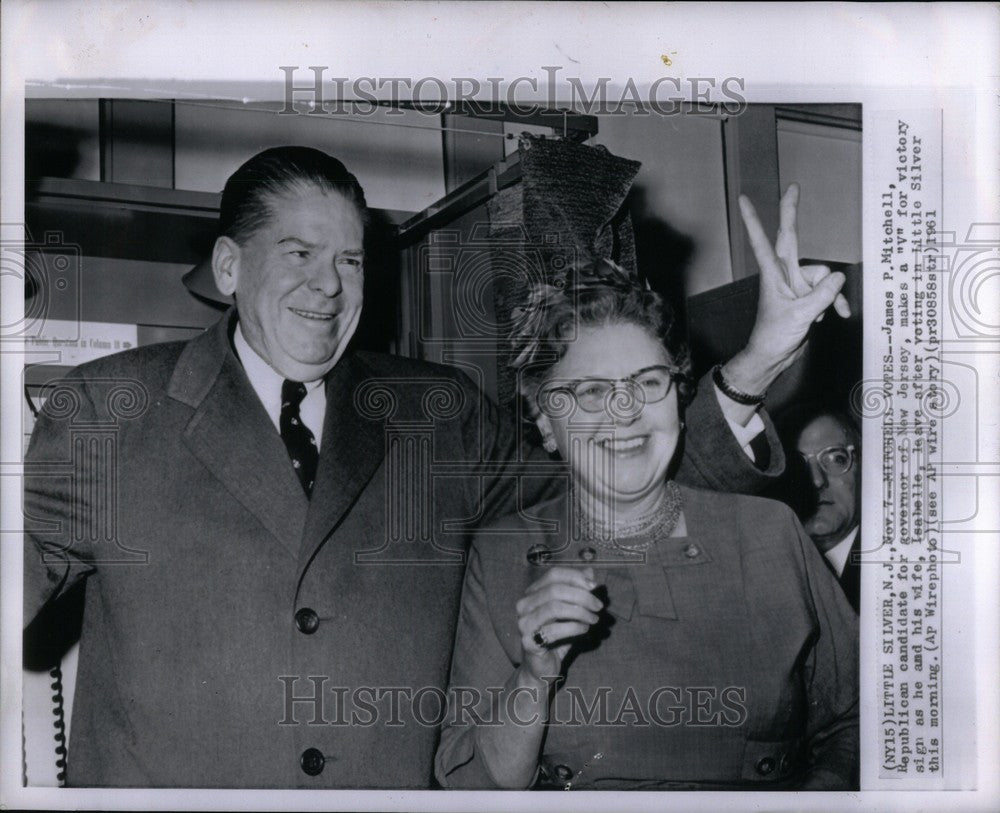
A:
{"x": 232, "y": 435}
{"x": 352, "y": 449}
{"x": 850, "y": 579}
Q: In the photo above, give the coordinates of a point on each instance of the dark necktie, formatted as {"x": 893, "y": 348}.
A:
{"x": 298, "y": 439}
{"x": 761, "y": 451}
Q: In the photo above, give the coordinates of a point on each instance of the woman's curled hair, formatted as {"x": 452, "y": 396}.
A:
{"x": 597, "y": 294}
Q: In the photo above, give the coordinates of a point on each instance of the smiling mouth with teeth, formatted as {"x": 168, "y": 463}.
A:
{"x": 629, "y": 445}
{"x": 315, "y": 315}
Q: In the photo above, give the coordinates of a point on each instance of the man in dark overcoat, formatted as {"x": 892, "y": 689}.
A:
{"x": 271, "y": 525}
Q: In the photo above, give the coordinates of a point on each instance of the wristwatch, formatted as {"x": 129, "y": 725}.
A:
{"x": 729, "y": 391}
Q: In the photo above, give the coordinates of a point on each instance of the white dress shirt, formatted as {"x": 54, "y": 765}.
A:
{"x": 837, "y": 555}
{"x": 266, "y": 382}
{"x": 743, "y": 434}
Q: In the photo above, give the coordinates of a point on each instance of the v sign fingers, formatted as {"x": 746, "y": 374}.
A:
{"x": 791, "y": 297}
{"x": 786, "y": 246}
{"x": 772, "y": 275}
{"x": 816, "y": 274}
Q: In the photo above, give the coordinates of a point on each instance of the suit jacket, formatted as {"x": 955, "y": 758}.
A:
{"x": 724, "y": 658}
{"x": 237, "y": 634}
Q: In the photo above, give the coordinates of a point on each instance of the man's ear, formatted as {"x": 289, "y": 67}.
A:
{"x": 226, "y": 265}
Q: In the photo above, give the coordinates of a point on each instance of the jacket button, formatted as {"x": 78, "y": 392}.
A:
{"x": 307, "y": 623}
{"x": 765, "y": 765}
{"x": 691, "y": 551}
{"x": 312, "y": 761}
{"x": 538, "y": 554}
{"x": 588, "y": 554}
{"x": 563, "y": 772}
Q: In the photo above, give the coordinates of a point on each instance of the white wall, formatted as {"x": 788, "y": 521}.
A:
{"x": 400, "y": 167}
{"x": 826, "y": 163}
{"x": 684, "y": 180}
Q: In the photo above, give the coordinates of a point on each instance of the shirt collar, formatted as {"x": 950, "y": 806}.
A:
{"x": 837, "y": 555}
{"x": 261, "y": 374}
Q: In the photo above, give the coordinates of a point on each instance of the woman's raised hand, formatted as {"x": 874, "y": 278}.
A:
{"x": 791, "y": 297}
{"x": 554, "y": 609}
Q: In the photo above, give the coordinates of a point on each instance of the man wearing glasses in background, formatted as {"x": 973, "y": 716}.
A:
{"x": 829, "y": 445}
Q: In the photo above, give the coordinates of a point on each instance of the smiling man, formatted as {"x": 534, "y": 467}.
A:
{"x": 272, "y": 524}
{"x": 298, "y": 278}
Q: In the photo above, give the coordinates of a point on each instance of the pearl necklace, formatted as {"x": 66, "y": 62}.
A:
{"x": 636, "y": 535}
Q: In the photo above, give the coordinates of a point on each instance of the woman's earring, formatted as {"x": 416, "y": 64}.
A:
{"x": 549, "y": 443}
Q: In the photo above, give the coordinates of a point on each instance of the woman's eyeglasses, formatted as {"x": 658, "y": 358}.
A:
{"x": 646, "y": 386}
{"x": 833, "y": 459}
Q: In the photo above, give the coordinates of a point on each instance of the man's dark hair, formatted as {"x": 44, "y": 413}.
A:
{"x": 794, "y": 418}
{"x": 281, "y": 170}
{"x": 795, "y": 487}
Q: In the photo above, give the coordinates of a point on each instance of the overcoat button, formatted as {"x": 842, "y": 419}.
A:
{"x": 785, "y": 764}
{"x": 307, "y": 622}
{"x": 312, "y": 761}
{"x": 588, "y": 554}
{"x": 691, "y": 551}
{"x": 563, "y": 772}
{"x": 765, "y": 765}
{"x": 538, "y": 555}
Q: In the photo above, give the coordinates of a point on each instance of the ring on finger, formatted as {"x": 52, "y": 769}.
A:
{"x": 539, "y": 637}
